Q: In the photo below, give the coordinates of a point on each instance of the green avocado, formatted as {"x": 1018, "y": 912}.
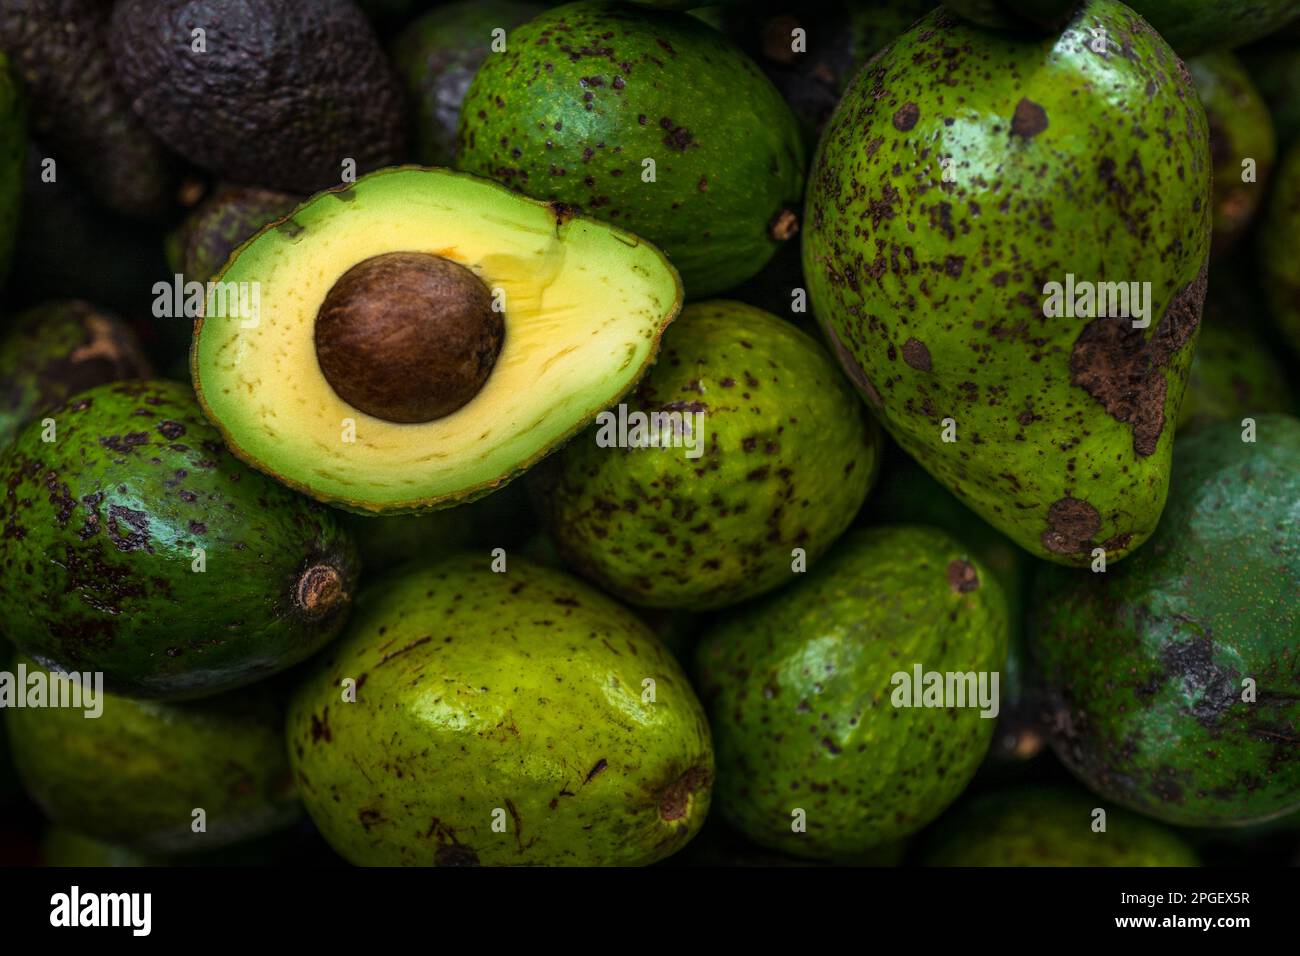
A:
{"x": 1040, "y": 16}
{"x": 1233, "y": 375}
{"x": 1050, "y": 826}
{"x": 1278, "y": 236}
{"x": 53, "y": 351}
{"x": 674, "y": 517}
{"x": 809, "y": 693}
{"x": 62, "y": 846}
{"x": 955, "y": 199}
{"x": 13, "y": 149}
{"x": 200, "y": 246}
{"x": 516, "y": 718}
{"x": 1171, "y": 681}
{"x": 437, "y": 56}
{"x": 1240, "y": 130}
{"x": 587, "y": 107}
{"x": 79, "y": 111}
{"x": 137, "y": 546}
{"x": 134, "y": 775}
{"x": 293, "y": 96}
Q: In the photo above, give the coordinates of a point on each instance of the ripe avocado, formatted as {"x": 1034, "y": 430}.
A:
{"x": 79, "y": 111}
{"x": 134, "y": 775}
{"x": 981, "y": 178}
{"x": 534, "y": 319}
{"x": 103, "y": 529}
{"x": 588, "y": 94}
{"x": 1278, "y": 237}
{"x": 201, "y": 245}
{"x": 13, "y": 148}
{"x": 499, "y": 719}
{"x": 1172, "y": 681}
{"x": 800, "y": 689}
{"x": 785, "y": 459}
{"x": 1240, "y": 129}
{"x": 1049, "y": 826}
{"x": 53, "y": 351}
{"x": 437, "y": 56}
{"x": 261, "y": 92}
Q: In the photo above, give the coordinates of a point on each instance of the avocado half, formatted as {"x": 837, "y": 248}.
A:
{"x": 471, "y": 329}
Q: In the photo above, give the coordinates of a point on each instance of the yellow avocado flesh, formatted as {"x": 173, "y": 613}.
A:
{"x": 585, "y": 305}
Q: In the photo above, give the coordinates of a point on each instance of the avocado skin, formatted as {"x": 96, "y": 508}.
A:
{"x": 78, "y": 109}
{"x": 789, "y": 455}
{"x": 437, "y": 56}
{"x": 1240, "y": 128}
{"x": 1199, "y": 26}
{"x": 336, "y": 97}
{"x": 55, "y": 350}
{"x": 1143, "y": 666}
{"x": 1276, "y": 242}
{"x": 1233, "y": 375}
{"x": 799, "y": 689}
{"x": 518, "y": 693}
{"x": 1063, "y": 426}
{"x": 133, "y": 776}
{"x": 13, "y": 147}
{"x": 101, "y": 525}
{"x": 1049, "y": 826}
{"x": 62, "y": 846}
{"x": 729, "y": 159}
{"x": 201, "y": 244}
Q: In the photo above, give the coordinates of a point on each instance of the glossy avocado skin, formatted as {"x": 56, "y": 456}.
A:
{"x": 336, "y": 97}
{"x": 933, "y": 295}
{"x": 13, "y": 148}
{"x": 1042, "y": 825}
{"x": 79, "y": 111}
{"x": 199, "y": 247}
{"x": 515, "y": 696}
{"x": 1276, "y": 243}
{"x": 787, "y": 457}
{"x": 1145, "y": 666}
{"x": 101, "y": 528}
{"x": 133, "y": 776}
{"x": 55, "y": 350}
{"x": 586, "y": 92}
{"x": 799, "y": 688}
{"x": 437, "y": 56}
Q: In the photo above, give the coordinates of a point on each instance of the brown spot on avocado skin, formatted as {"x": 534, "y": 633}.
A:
{"x": 1071, "y": 525}
{"x": 1029, "y": 119}
{"x": 962, "y": 576}
{"x": 906, "y": 116}
{"x": 674, "y": 800}
{"x": 917, "y": 355}
{"x": 454, "y": 854}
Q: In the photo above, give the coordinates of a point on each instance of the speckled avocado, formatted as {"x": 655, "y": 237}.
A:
{"x": 785, "y": 459}
{"x": 437, "y": 56}
{"x": 586, "y": 93}
{"x": 1172, "y": 681}
{"x": 1278, "y": 237}
{"x": 514, "y": 718}
{"x": 134, "y": 775}
{"x": 935, "y": 294}
{"x": 1050, "y": 826}
{"x": 55, "y": 350}
{"x": 102, "y": 531}
{"x": 13, "y": 149}
{"x": 200, "y": 246}
{"x": 1240, "y": 129}
{"x": 801, "y": 690}
{"x": 1233, "y": 375}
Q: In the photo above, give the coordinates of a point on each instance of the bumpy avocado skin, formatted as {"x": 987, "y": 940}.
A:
{"x": 799, "y": 691}
{"x": 13, "y": 148}
{"x": 586, "y": 92}
{"x": 1240, "y": 129}
{"x": 437, "y": 56}
{"x": 517, "y": 697}
{"x": 933, "y": 293}
{"x": 1145, "y": 666}
{"x": 1197, "y": 26}
{"x": 284, "y": 112}
{"x": 788, "y": 457}
{"x": 79, "y": 111}
{"x": 1277, "y": 241}
{"x": 101, "y": 528}
{"x": 1050, "y": 826}
{"x": 134, "y": 775}
{"x": 55, "y": 350}
{"x": 1233, "y": 375}
{"x": 200, "y": 246}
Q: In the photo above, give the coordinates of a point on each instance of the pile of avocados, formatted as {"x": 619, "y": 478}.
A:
{"x": 620, "y": 433}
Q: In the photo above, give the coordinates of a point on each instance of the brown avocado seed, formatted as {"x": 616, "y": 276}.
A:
{"x": 408, "y": 337}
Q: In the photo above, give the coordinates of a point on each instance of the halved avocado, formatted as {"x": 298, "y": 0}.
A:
{"x": 471, "y": 329}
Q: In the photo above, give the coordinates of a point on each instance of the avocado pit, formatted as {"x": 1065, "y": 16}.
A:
{"x": 407, "y": 336}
